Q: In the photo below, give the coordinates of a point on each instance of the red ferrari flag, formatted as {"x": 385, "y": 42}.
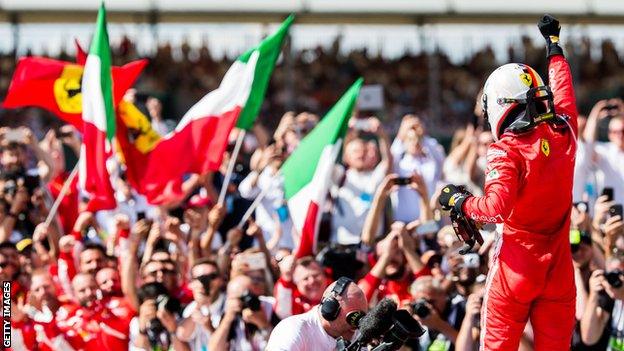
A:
{"x": 58, "y": 86}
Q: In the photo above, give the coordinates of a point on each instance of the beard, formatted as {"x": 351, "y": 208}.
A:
{"x": 396, "y": 275}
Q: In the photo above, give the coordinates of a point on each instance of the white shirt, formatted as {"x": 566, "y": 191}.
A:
{"x": 353, "y": 200}
{"x": 200, "y": 336}
{"x": 405, "y": 202}
{"x": 302, "y": 332}
{"x": 610, "y": 169}
{"x": 271, "y": 206}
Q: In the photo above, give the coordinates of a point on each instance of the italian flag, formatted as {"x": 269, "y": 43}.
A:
{"x": 200, "y": 139}
{"x": 98, "y": 114}
{"x": 268, "y": 50}
{"x": 307, "y": 172}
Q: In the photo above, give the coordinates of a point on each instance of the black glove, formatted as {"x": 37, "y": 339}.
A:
{"x": 452, "y": 197}
{"x": 550, "y": 28}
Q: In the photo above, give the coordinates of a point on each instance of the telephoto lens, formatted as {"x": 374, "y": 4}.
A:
{"x": 250, "y": 301}
{"x": 613, "y": 278}
{"x": 420, "y": 308}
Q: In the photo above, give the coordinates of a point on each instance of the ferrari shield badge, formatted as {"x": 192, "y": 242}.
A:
{"x": 545, "y": 147}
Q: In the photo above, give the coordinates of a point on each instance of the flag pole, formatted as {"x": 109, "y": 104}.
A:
{"x": 230, "y": 169}
{"x": 61, "y": 194}
{"x": 253, "y": 207}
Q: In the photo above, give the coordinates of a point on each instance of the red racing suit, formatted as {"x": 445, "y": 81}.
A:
{"x": 529, "y": 189}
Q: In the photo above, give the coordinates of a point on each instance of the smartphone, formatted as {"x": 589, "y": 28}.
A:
{"x": 608, "y": 191}
{"x": 256, "y": 261}
{"x": 616, "y": 210}
{"x": 403, "y": 181}
{"x": 361, "y": 124}
{"x": 582, "y": 206}
{"x": 140, "y": 215}
{"x": 471, "y": 260}
{"x": 427, "y": 228}
{"x": 14, "y": 135}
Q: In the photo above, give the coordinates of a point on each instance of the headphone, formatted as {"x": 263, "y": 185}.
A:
{"x": 330, "y": 307}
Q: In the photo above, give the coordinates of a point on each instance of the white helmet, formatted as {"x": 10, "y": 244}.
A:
{"x": 509, "y": 87}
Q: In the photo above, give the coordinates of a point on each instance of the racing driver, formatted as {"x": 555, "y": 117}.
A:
{"x": 529, "y": 190}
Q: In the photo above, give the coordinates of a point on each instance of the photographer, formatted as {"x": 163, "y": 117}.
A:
{"x": 155, "y": 326}
{"x": 19, "y": 184}
{"x": 441, "y": 315}
{"x": 601, "y": 323}
{"x": 203, "y": 315}
{"x": 247, "y": 320}
{"x": 316, "y": 330}
{"x": 608, "y": 157}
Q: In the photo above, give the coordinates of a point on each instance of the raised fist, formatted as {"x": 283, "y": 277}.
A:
{"x": 549, "y": 27}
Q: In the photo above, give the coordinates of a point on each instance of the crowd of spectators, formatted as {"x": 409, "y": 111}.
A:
{"x": 185, "y": 277}
{"x": 313, "y": 79}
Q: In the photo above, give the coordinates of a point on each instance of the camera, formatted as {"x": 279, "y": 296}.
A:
{"x": 156, "y": 332}
{"x": 613, "y": 278}
{"x": 250, "y": 301}
{"x": 420, "y": 308}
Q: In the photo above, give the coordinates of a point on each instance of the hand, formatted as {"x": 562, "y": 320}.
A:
{"x": 601, "y": 208}
{"x": 234, "y": 236}
{"x": 194, "y": 219}
{"x": 83, "y": 221}
{"x": 597, "y": 281}
{"x": 287, "y": 267}
{"x": 168, "y": 320}
{"x": 18, "y": 310}
{"x": 216, "y": 215}
{"x": 66, "y": 243}
{"x": 40, "y": 233}
{"x": 473, "y": 305}
{"x": 141, "y": 228}
{"x": 20, "y": 199}
{"x": 154, "y": 234}
{"x": 147, "y": 312}
{"x": 614, "y": 228}
{"x": 433, "y": 320}
{"x": 254, "y": 230}
{"x": 203, "y": 320}
{"x": 387, "y": 185}
{"x": 257, "y": 318}
{"x": 233, "y": 307}
{"x": 406, "y": 241}
{"x": 599, "y": 112}
{"x": 418, "y": 183}
{"x": 172, "y": 229}
{"x": 549, "y": 27}
{"x": 452, "y": 196}
{"x": 375, "y": 126}
{"x": 122, "y": 222}
{"x": 390, "y": 244}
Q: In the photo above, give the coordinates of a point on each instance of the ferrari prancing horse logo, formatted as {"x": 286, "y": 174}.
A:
{"x": 526, "y": 79}
{"x": 67, "y": 89}
{"x": 545, "y": 147}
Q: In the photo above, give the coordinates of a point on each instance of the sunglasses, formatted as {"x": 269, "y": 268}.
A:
{"x": 163, "y": 271}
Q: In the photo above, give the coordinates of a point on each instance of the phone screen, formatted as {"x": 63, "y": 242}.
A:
{"x": 616, "y": 210}
{"x": 608, "y": 192}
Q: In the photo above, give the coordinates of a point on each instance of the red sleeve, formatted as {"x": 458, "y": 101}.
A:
{"x": 560, "y": 81}
{"x": 503, "y": 174}
{"x": 369, "y": 285}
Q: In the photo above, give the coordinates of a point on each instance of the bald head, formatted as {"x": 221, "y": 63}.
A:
{"x": 85, "y": 289}
{"x": 351, "y": 300}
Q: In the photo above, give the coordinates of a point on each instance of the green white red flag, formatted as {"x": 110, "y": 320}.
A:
{"x": 98, "y": 114}
{"x": 200, "y": 139}
{"x": 307, "y": 172}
